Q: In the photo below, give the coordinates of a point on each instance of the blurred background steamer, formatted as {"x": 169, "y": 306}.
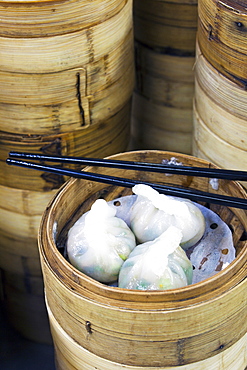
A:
{"x": 67, "y": 77}
{"x": 220, "y": 106}
{"x": 165, "y": 34}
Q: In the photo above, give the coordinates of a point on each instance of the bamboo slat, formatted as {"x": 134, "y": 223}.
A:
{"x": 165, "y": 66}
{"x": 222, "y": 90}
{"x": 165, "y": 33}
{"x": 149, "y": 137}
{"x": 225, "y": 125}
{"x": 219, "y": 151}
{"x": 222, "y": 37}
{"x": 162, "y": 102}
{"x": 164, "y": 117}
{"x": 165, "y": 78}
{"x": 67, "y": 51}
{"x": 157, "y": 329}
{"x": 50, "y": 103}
{"x": 95, "y": 140}
{"x": 159, "y": 126}
{"x": 71, "y": 356}
{"x": 220, "y": 132}
{"x": 27, "y": 202}
{"x": 157, "y": 24}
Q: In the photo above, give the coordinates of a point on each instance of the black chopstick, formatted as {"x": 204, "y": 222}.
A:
{"x": 140, "y": 166}
{"x": 187, "y": 193}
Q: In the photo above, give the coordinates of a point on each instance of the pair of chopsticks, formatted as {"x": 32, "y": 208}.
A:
{"x": 188, "y": 193}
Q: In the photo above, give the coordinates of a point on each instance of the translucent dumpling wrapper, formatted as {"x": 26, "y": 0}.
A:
{"x": 211, "y": 254}
{"x": 157, "y": 265}
{"x": 99, "y": 242}
{"x": 152, "y": 213}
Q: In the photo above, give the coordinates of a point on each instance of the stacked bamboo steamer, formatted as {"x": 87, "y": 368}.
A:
{"x": 201, "y": 326}
{"x": 165, "y": 34}
{"x": 220, "y": 109}
{"x": 67, "y": 77}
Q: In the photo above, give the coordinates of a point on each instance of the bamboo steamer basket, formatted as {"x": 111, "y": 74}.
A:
{"x": 25, "y": 306}
{"x": 157, "y": 24}
{"x": 157, "y": 126}
{"x": 146, "y": 329}
{"x": 219, "y": 88}
{"x": 222, "y": 36}
{"x": 21, "y": 209}
{"x": 144, "y": 135}
{"x": 20, "y": 216}
{"x": 217, "y": 150}
{"x": 54, "y": 101}
{"x": 96, "y": 140}
{"x": 21, "y": 277}
{"x": 67, "y": 77}
{"x": 162, "y": 101}
{"x": 220, "y": 133}
{"x": 72, "y": 356}
{"x": 70, "y": 79}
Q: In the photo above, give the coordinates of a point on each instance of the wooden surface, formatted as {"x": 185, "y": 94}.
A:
{"x": 159, "y": 328}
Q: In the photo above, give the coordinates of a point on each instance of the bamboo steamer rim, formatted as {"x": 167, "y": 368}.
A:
{"x": 186, "y": 295}
{"x": 233, "y": 5}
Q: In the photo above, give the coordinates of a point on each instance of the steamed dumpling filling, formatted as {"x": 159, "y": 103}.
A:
{"x": 157, "y": 265}
{"x": 99, "y": 243}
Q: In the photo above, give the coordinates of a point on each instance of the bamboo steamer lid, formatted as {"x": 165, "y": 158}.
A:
{"x": 222, "y": 36}
{"x": 157, "y": 24}
{"x": 156, "y": 329}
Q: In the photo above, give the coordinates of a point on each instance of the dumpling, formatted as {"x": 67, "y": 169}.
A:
{"x": 157, "y": 265}
{"x": 98, "y": 243}
{"x": 152, "y": 213}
